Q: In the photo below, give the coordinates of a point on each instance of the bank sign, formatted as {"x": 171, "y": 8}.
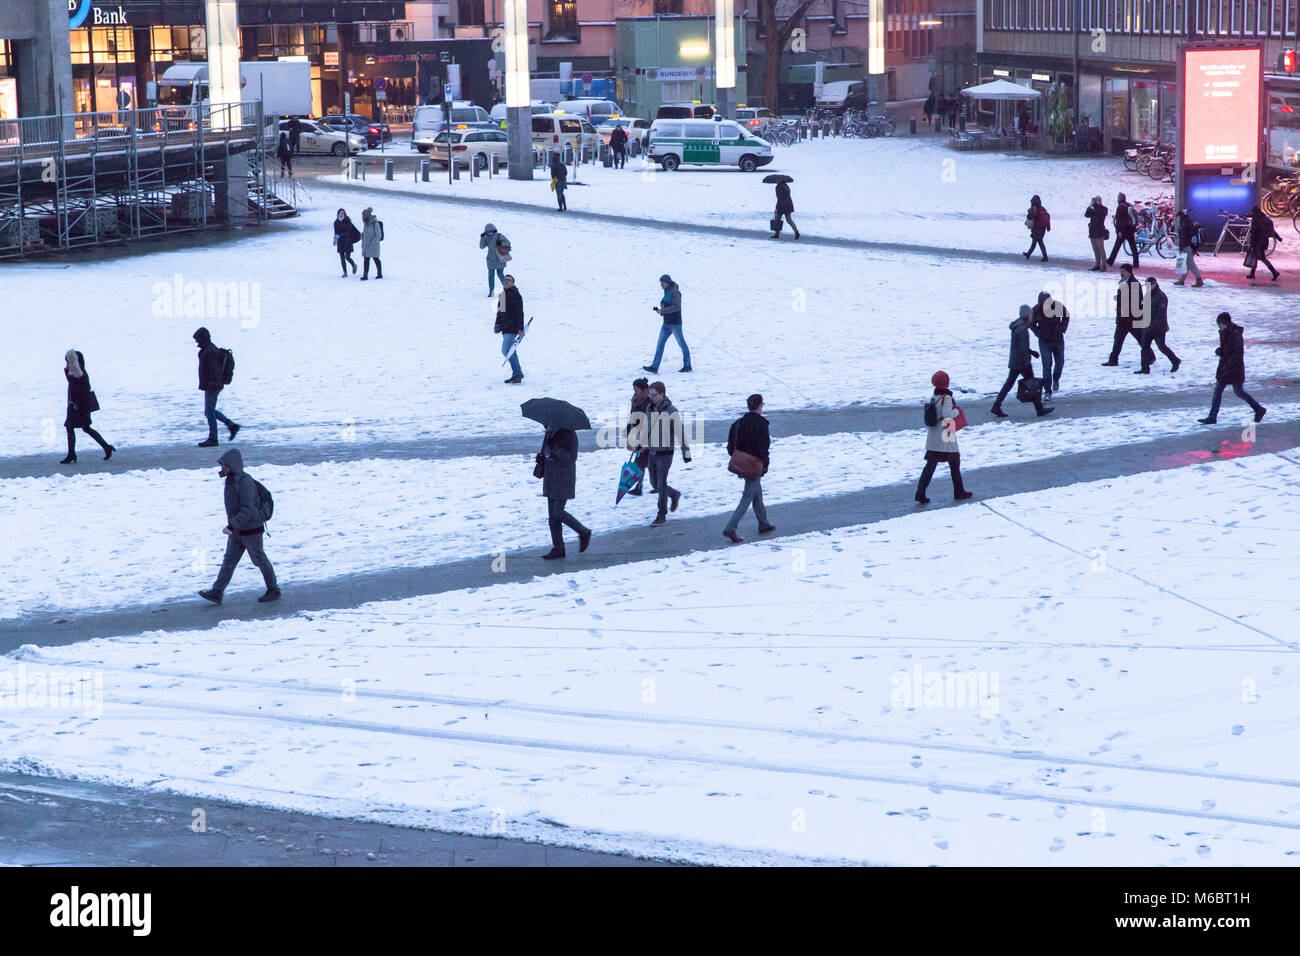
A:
{"x": 81, "y": 11}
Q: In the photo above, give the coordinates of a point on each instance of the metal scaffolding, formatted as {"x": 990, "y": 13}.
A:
{"x": 91, "y": 178}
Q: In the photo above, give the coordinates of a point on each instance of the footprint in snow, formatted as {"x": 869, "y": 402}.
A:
{"x": 941, "y": 843}
{"x": 915, "y": 761}
{"x": 1238, "y": 730}
{"x": 1057, "y": 845}
{"x": 1203, "y": 851}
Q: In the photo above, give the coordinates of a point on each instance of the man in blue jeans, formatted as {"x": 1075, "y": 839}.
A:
{"x": 671, "y": 310}
{"x": 1048, "y": 322}
{"x": 211, "y": 381}
{"x": 510, "y": 323}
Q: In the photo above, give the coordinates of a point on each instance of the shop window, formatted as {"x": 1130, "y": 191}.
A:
{"x": 470, "y": 13}
{"x": 1168, "y": 112}
{"x": 839, "y": 19}
{"x": 1089, "y": 100}
{"x": 1115, "y": 106}
{"x": 1144, "y": 115}
{"x": 80, "y": 41}
{"x": 561, "y": 21}
{"x": 1284, "y": 128}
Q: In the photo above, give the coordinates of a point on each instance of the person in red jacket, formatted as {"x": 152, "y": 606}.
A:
{"x": 1039, "y": 222}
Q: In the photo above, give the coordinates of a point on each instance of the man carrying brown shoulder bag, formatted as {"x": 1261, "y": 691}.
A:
{"x": 748, "y": 444}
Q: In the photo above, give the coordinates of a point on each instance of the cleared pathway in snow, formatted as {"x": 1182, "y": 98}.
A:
{"x": 799, "y": 421}
{"x": 681, "y": 535}
{"x": 45, "y": 821}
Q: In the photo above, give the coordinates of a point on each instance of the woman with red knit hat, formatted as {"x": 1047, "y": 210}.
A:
{"x": 941, "y": 438}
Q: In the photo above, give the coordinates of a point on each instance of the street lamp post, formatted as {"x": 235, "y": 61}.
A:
{"x": 724, "y": 29}
{"x": 519, "y": 118}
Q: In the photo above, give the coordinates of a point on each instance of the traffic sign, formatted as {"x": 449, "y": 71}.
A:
{"x": 586, "y": 79}
{"x": 446, "y": 92}
{"x": 380, "y": 84}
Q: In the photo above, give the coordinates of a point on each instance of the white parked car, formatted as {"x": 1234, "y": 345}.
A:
{"x": 635, "y": 127}
{"x": 475, "y": 146}
{"x": 556, "y": 130}
{"x": 712, "y": 142}
{"x": 316, "y": 138}
{"x": 498, "y": 112}
{"x": 589, "y": 108}
{"x": 429, "y": 121}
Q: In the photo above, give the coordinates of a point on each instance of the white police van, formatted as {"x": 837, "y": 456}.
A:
{"x": 706, "y": 142}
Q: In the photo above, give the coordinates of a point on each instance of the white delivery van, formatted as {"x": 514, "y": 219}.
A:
{"x": 702, "y": 142}
{"x": 283, "y": 86}
{"x": 429, "y": 121}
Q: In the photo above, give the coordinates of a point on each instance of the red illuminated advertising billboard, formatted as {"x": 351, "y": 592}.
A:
{"x": 1221, "y": 108}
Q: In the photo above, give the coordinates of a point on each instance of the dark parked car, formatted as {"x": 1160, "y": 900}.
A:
{"x": 373, "y": 132}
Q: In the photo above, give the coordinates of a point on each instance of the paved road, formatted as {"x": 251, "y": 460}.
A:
{"x": 681, "y": 535}
{"x": 46, "y": 821}
{"x": 808, "y": 421}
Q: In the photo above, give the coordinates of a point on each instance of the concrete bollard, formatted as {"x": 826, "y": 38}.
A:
{"x": 496, "y": 165}
{"x": 388, "y": 169}
{"x": 568, "y": 155}
{"x": 424, "y": 170}
{"x": 912, "y": 125}
{"x": 455, "y": 167}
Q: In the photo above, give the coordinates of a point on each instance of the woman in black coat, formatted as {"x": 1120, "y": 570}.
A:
{"x": 560, "y": 178}
{"x": 1037, "y": 223}
{"x": 558, "y": 461}
{"x": 346, "y": 236}
{"x": 80, "y": 406}
{"x": 1231, "y": 372}
{"x": 784, "y": 207}
{"x": 1261, "y": 231}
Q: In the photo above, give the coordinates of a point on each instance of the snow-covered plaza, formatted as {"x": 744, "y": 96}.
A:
{"x": 1092, "y": 661}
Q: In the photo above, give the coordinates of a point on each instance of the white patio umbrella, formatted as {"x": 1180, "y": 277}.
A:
{"x": 1001, "y": 91}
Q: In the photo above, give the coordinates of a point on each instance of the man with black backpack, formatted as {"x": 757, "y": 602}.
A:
{"x": 1125, "y": 220}
{"x": 216, "y": 371}
{"x": 248, "y": 507}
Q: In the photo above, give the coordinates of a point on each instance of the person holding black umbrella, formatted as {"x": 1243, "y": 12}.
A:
{"x": 557, "y": 466}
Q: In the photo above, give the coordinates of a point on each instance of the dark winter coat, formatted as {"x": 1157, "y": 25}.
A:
{"x": 1187, "y": 230}
{"x": 1125, "y": 222}
{"x": 211, "y": 378}
{"x": 1128, "y": 303}
{"x": 618, "y": 140}
{"x": 784, "y": 204}
{"x": 1159, "y": 305}
{"x": 242, "y": 512}
{"x": 559, "y": 173}
{"x": 283, "y": 152}
{"x": 78, "y": 398}
{"x": 671, "y": 305}
{"x": 1050, "y": 319}
{"x": 1096, "y": 216}
{"x": 638, "y": 423}
{"x": 1232, "y": 356}
{"x": 1037, "y": 222}
{"x": 1261, "y": 231}
{"x": 347, "y": 233}
{"x": 750, "y": 434}
{"x": 512, "y": 319}
{"x": 560, "y": 464}
{"x": 1020, "y": 354}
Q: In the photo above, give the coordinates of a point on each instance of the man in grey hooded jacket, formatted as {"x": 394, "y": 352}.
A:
{"x": 244, "y": 529}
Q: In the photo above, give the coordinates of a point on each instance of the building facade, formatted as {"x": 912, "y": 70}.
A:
{"x": 1117, "y": 59}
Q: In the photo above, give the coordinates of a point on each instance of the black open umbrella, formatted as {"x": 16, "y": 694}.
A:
{"x": 553, "y": 413}
{"x": 778, "y": 178}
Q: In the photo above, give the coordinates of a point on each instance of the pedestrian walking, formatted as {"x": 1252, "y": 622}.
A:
{"x": 1232, "y": 369}
{"x": 1157, "y": 309}
{"x": 1038, "y": 222}
{"x": 284, "y": 153}
{"x": 670, "y": 308}
{"x": 1048, "y": 322}
{"x": 1189, "y": 240}
{"x": 1261, "y": 231}
{"x": 784, "y": 207}
{"x": 618, "y": 146}
{"x": 665, "y": 434}
{"x": 1097, "y": 232}
{"x": 1020, "y": 366}
{"x": 372, "y": 234}
{"x": 295, "y": 135}
{"x": 559, "y": 179}
{"x": 928, "y": 109}
{"x": 941, "y": 439}
{"x": 558, "y": 464}
{"x": 346, "y": 236}
{"x": 81, "y": 402}
{"x": 637, "y": 431}
{"x": 216, "y": 370}
{"x": 498, "y": 254}
{"x": 750, "y": 435}
{"x": 247, "y": 511}
{"x": 510, "y": 323}
{"x": 1125, "y": 220}
{"x": 1129, "y": 308}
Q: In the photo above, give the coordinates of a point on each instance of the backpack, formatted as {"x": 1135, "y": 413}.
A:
{"x": 381, "y": 229}
{"x": 227, "y": 365}
{"x": 265, "y": 503}
{"x": 932, "y": 412}
{"x": 1044, "y": 219}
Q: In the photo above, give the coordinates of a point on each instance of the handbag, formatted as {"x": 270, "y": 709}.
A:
{"x": 539, "y": 469}
{"x": 1029, "y": 390}
{"x": 1105, "y": 233}
{"x": 1249, "y": 261}
{"x": 959, "y": 420}
{"x": 747, "y": 466}
{"x": 1180, "y": 264}
{"x": 93, "y": 404}
{"x": 774, "y": 224}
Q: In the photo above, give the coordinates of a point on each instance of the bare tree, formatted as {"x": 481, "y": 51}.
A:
{"x": 776, "y": 33}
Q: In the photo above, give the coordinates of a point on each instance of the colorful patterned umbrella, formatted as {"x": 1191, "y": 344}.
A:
{"x": 629, "y": 476}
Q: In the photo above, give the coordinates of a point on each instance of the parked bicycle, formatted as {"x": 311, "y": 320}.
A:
{"x": 1235, "y": 230}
